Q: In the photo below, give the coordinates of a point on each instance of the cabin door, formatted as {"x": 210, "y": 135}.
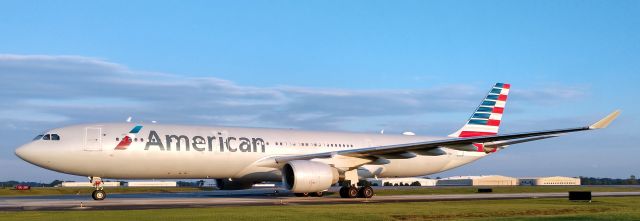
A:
{"x": 93, "y": 139}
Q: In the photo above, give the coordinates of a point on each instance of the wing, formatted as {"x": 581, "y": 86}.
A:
{"x": 408, "y": 150}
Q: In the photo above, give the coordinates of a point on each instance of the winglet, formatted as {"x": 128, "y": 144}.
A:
{"x": 604, "y": 122}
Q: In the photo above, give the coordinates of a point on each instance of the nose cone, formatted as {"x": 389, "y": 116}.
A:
{"x": 43, "y": 154}
{"x": 27, "y": 153}
{"x": 21, "y": 151}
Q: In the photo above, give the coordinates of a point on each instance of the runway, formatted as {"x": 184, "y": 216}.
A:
{"x": 251, "y": 198}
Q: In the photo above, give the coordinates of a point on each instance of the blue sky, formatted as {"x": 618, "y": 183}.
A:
{"x": 417, "y": 66}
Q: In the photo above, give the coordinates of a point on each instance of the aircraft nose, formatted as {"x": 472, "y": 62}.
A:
{"x": 26, "y": 152}
{"x": 20, "y": 151}
{"x": 40, "y": 154}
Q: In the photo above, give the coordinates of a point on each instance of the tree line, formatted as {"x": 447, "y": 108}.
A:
{"x": 632, "y": 180}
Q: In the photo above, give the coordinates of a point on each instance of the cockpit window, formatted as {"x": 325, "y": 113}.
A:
{"x": 48, "y": 137}
{"x": 38, "y": 137}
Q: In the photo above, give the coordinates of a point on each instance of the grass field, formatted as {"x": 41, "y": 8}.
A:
{"x": 606, "y": 208}
{"x": 504, "y": 189}
{"x": 40, "y": 191}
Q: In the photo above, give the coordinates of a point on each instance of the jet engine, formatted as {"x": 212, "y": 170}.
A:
{"x": 303, "y": 176}
{"x": 225, "y": 184}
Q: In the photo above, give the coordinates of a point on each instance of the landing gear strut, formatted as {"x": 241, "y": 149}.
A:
{"x": 99, "y": 193}
{"x": 350, "y": 189}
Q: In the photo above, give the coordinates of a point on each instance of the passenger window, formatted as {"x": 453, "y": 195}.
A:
{"x": 47, "y": 137}
{"x": 55, "y": 137}
{"x": 141, "y": 139}
{"x": 38, "y": 137}
{"x": 117, "y": 139}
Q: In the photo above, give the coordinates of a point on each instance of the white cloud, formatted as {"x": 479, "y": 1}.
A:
{"x": 72, "y": 87}
{"x": 30, "y": 116}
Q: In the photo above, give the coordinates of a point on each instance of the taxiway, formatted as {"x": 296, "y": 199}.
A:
{"x": 251, "y": 198}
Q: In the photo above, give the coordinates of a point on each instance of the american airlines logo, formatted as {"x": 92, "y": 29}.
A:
{"x": 196, "y": 143}
{"x": 126, "y": 141}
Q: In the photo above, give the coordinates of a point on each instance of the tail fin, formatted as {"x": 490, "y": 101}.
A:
{"x": 486, "y": 119}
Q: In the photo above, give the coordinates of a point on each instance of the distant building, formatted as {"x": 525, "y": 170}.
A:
{"x": 404, "y": 181}
{"x": 209, "y": 183}
{"x": 550, "y": 181}
{"x": 152, "y": 184}
{"x": 88, "y": 184}
{"x": 488, "y": 180}
{"x": 264, "y": 185}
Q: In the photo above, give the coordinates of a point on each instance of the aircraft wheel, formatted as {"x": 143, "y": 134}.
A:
{"x": 317, "y": 194}
{"x": 365, "y": 192}
{"x": 352, "y": 192}
{"x": 301, "y": 194}
{"x": 343, "y": 192}
{"x": 98, "y": 195}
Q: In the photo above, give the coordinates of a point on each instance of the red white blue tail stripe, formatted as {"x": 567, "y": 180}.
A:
{"x": 126, "y": 141}
{"x": 486, "y": 119}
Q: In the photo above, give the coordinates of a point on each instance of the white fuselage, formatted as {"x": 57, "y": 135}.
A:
{"x": 182, "y": 152}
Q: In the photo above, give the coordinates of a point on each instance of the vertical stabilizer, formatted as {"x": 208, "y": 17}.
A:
{"x": 486, "y": 119}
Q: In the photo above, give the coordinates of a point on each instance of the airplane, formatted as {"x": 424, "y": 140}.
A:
{"x": 306, "y": 162}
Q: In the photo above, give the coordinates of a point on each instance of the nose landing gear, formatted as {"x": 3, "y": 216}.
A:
{"x": 99, "y": 193}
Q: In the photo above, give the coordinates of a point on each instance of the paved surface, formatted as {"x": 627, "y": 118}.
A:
{"x": 244, "y": 198}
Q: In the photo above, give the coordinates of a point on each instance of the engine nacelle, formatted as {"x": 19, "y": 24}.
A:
{"x": 225, "y": 184}
{"x": 303, "y": 176}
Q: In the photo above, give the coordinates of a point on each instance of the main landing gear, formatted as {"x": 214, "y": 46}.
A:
{"x": 314, "y": 194}
{"x": 99, "y": 193}
{"x": 354, "y": 192}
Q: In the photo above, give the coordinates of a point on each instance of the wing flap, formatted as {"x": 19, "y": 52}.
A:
{"x": 511, "y": 142}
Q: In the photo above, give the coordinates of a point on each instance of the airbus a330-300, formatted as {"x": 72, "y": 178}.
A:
{"x": 307, "y": 162}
